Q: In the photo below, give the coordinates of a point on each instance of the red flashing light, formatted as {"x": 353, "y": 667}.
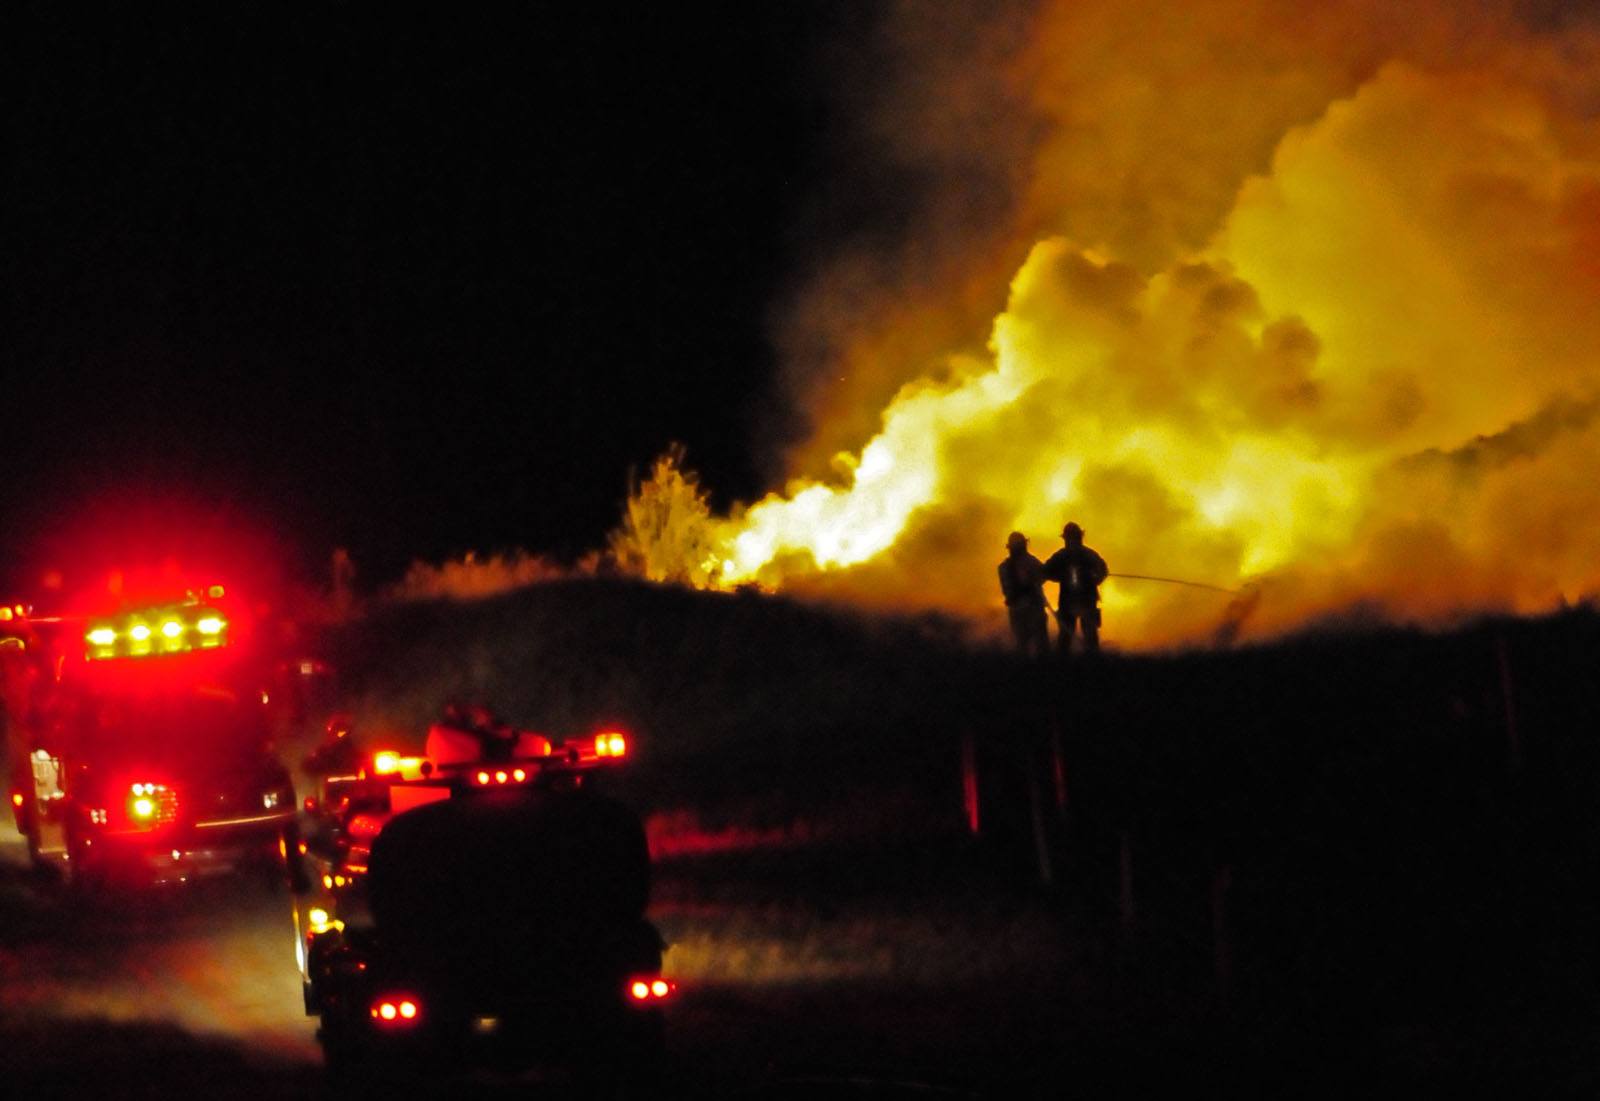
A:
{"x": 610, "y": 744}
{"x": 482, "y": 778}
{"x": 501, "y": 776}
{"x": 397, "y": 1010}
{"x": 386, "y": 762}
{"x": 17, "y": 799}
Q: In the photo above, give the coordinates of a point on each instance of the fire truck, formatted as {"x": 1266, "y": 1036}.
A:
{"x": 138, "y": 742}
{"x": 480, "y": 906}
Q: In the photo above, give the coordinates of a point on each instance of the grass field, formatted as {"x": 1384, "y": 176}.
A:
{"x": 1368, "y": 856}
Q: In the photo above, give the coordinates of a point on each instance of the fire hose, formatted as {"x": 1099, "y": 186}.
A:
{"x": 1164, "y": 581}
{"x": 1175, "y": 581}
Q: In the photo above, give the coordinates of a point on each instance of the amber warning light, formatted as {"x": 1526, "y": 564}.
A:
{"x": 172, "y": 630}
{"x": 151, "y": 804}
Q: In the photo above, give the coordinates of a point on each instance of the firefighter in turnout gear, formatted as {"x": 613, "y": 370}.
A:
{"x": 1022, "y": 584}
{"x": 1080, "y": 572}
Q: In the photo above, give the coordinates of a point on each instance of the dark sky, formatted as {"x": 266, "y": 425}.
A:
{"x": 412, "y": 287}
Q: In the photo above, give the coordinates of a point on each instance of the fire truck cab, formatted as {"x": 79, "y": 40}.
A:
{"x": 482, "y": 905}
{"x": 138, "y": 744}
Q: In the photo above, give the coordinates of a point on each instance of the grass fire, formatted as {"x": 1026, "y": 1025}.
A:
{"x": 1317, "y": 321}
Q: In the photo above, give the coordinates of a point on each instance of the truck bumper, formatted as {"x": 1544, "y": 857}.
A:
{"x": 195, "y": 851}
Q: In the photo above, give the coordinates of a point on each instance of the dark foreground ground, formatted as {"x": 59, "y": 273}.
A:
{"x": 914, "y": 968}
{"x": 1345, "y": 865}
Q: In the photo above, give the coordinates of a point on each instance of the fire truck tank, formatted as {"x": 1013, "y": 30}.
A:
{"x": 505, "y": 883}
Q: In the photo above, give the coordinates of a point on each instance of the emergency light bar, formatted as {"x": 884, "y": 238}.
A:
{"x": 173, "y": 629}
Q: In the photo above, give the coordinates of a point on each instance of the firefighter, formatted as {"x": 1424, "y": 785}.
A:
{"x": 496, "y": 737}
{"x": 1080, "y": 572}
{"x": 337, "y": 753}
{"x": 1022, "y": 584}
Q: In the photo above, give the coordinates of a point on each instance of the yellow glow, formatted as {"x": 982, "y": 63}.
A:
{"x": 210, "y": 625}
{"x": 1333, "y": 346}
{"x": 385, "y": 762}
{"x": 144, "y": 807}
{"x": 102, "y": 636}
{"x": 139, "y": 632}
{"x": 172, "y": 628}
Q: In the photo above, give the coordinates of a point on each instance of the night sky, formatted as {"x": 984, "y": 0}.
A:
{"x": 409, "y": 287}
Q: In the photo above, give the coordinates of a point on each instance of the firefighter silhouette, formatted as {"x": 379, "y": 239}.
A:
{"x": 1022, "y": 584}
{"x": 497, "y": 737}
{"x": 1080, "y": 572}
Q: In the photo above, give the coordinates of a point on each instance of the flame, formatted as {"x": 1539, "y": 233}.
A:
{"x": 1361, "y": 371}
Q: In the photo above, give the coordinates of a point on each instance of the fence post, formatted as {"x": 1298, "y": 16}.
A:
{"x": 1058, "y": 767}
{"x": 969, "y": 783}
{"x": 1041, "y": 831}
{"x": 1221, "y": 935}
{"x": 1513, "y": 743}
{"x": 1125, "y": 892}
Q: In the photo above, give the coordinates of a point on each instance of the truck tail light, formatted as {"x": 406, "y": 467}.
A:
{"x": 646, "y": 990}
{"x": 397, "y": 1010}
{"x": 151, "y": 805}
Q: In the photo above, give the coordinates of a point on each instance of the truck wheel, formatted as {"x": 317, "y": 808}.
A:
{"x": 30, "y": 831}
{"x": 634, "y": 1067}
{"x": 84, "y": 871}
{"x": 343, "y": 1060}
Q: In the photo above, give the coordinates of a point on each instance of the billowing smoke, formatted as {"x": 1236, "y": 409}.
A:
{"x": 1301, "y": 302}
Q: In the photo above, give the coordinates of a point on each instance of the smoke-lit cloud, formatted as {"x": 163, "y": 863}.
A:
{"x": 1297, "y": 301}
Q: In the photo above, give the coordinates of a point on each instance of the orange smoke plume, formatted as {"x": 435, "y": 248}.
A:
{"x": 1310, "y": 310}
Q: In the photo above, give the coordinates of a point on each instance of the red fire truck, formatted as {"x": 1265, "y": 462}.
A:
{"x": 138, "y": 740}
{"x": 481, "y": 906}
